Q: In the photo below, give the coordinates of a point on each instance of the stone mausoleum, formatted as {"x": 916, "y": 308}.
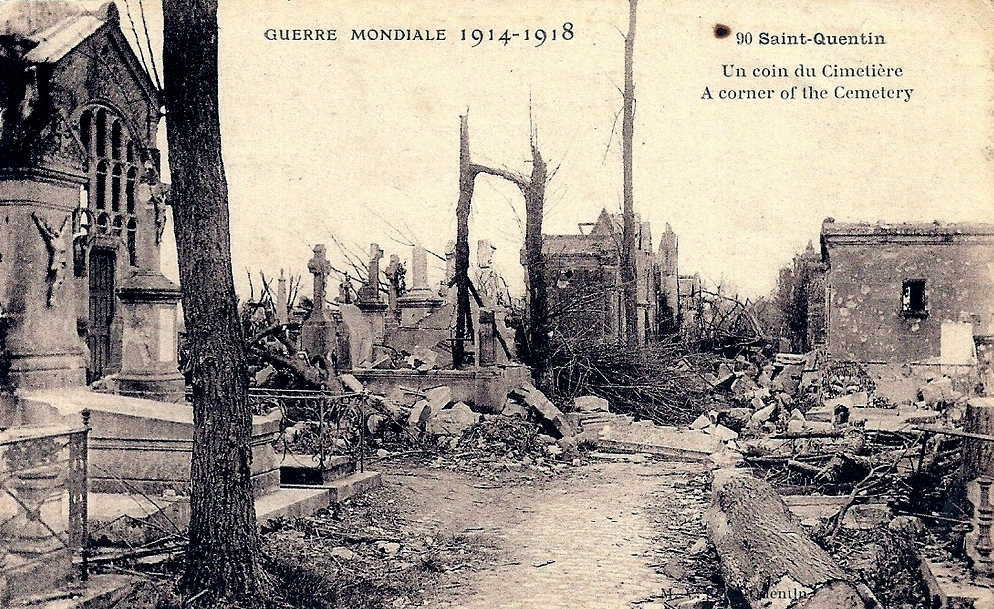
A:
{"x": 83, "y": 207}
{"x": 82, "y": 297}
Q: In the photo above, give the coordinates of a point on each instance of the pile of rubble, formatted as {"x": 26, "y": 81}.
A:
{"x": 529, "y": 432}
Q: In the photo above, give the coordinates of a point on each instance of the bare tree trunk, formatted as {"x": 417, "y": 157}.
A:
{"x": 222, "y": 559}
{"x": 538, "y": 300}
{"x": 467, "y": 179}
{"x": 628, "y": 278}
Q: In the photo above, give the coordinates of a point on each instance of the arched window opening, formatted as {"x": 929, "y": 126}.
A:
{"x": 113, "y": 157}
{"x": 101, "y": 198}
{"x": 115, "y": 189}
{"x": 101, "y": 150}
{"x": 115, "y": 141}
{"x": 133, "y": 242}
{"x": 85, "y": 124}
{"x": 130, "y": 191}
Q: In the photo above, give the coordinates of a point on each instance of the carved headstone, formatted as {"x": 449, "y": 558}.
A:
{"x": 317, "y": 335}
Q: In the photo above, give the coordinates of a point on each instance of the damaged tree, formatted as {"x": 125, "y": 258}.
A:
{"x": 532, "y": 188}
{"x": 628, "y": 198}
{"x": 766, "y": 555}
{"x": 222, "y": 558}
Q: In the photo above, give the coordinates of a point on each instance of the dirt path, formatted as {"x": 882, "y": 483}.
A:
{"x": 608, "y": 535}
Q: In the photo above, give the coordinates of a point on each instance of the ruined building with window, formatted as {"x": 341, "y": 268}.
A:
{"x": 905, "y": 292}
{"x": 583, "y": 275}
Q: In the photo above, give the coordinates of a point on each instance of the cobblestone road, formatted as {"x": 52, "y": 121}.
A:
{"x": 613, "y": 535}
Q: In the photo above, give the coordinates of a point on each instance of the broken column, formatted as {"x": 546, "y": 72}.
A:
{"x": 317, "y": 334}
{"x": 419, "y": 302}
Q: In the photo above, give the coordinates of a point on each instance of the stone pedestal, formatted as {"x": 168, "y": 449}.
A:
{"x": 415, "y": 307}
{"x": 487, "y": 339}
{"x": 148, "y": 367}
{"x": 375, "y": 314}
{"x": 38, "y": 294}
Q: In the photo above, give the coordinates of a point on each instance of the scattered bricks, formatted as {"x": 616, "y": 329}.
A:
{"x": 590, "y": 403}
{"x": 757, "y": 403}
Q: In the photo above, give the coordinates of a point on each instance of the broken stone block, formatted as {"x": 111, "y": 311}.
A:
{"x": 417, "y": 414}
{"x": 937, "y": 391}
{"x": 343, "y": 553}
{"x": 263, "y": 376}
{"x": 735, "y": 418}
{"x": 743, "y": 385}
{"x": 796, "y": 415}
{"x": 439, "y": 397}
{"x": 818, "y": 426}
{"x": 352, "y": 383}
{"x": 424, "y": 358}
{"x": 795, "y": 426}
{"x": 757, "y": 403}
{"x": 553, "y": 418}
{"x": 390, "y": 548}
{"x": 513, "y": 409}
{"x": 451, "y": 421}
{"x": 763, "y": 414}
{"x": 590, "y": 403}
{"x": 789, "y": 359}
{"x": 701, "y": 422}
{"x": 723, "y": 433}
{"x": 822, "y": 414}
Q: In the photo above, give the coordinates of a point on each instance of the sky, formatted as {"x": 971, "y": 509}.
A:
{"x": 358, "y": 141}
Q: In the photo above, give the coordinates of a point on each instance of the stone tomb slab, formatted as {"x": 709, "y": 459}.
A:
{"x": 143, "y": 446}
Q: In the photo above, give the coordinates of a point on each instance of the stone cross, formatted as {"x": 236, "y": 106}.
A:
{"x": 320, "y": 268}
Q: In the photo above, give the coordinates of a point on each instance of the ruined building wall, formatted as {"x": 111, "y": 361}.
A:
{"x": 868, "y": 313}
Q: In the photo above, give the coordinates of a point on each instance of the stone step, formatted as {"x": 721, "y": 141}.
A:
{"x": 342, "y": 489}
{"x": 304, "y": 470}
